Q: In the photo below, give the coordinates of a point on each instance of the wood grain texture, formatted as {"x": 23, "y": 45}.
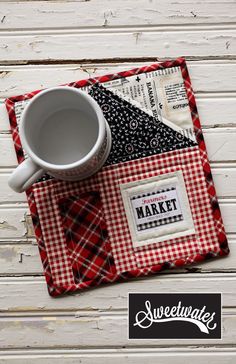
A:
{"x": 86, "y": 329}
{"x": 15, "y": 222}
{"x": 166, "y": 355}
{"x": 224, "y": 178}
{"x": 115, "y": 43}
{"x": 22, "y": 258}
{"x": 16, "y": 80}
{"x": 70, "y": 40}
{"x": 110, "y": 13}
{"x": 14, "y": 291}
{"x": 220, "y": 145}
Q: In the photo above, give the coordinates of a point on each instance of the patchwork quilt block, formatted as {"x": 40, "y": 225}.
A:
{"x": 153, "y": 205}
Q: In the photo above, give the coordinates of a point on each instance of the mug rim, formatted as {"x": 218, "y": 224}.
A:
{"x": 59, "y": 167}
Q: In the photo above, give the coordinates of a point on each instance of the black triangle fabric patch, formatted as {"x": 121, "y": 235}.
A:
{"x": 135, "y": 134}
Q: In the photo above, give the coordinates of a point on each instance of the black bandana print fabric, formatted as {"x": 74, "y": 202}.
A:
{"x": 135, "y": 134}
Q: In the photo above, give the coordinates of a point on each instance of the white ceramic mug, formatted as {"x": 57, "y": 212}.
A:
{"x": 63, "y": 131}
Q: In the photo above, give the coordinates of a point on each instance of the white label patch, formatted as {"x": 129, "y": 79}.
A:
{"x": 157, "y": 209}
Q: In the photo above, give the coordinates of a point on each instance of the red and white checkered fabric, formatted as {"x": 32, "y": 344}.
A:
{"x": 189, "y": 162}
{"x": 85, "y": 254}
{"x": 63, "y": 260}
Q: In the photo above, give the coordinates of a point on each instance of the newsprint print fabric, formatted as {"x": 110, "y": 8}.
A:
{"x": 153, "y": 206}
{"x": 135, "y": 134}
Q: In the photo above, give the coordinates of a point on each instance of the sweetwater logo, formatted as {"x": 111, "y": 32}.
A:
{"x": 174, "y": 316}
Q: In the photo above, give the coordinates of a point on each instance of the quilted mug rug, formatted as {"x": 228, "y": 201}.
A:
{"x": 153, "y": 205}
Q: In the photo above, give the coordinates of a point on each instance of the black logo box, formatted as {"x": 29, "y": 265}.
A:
{"x": 174, "y": 329}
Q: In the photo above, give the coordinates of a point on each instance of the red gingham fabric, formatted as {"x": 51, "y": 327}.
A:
{"x": 78, "y": 251}
{"x": 55, "y": 263}
{"x": 189, "y": 162}
{"x": 69, "y": 260}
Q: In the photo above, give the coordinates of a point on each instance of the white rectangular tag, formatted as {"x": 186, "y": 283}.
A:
{"x": 157, "y": 209}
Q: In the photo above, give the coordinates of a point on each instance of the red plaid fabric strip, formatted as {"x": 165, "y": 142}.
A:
{"x": 86, "y": 236}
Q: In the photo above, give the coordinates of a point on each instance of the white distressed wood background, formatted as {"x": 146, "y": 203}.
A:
{"x": 46, "y": 43}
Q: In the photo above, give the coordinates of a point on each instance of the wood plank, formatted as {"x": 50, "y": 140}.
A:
{"x": 17, "y": 80}
{"x": 71, "y": 14}
{"x": 167, "y": 355}
{"x": 212, "y": 107}
{"x": 8, "y": 195}
{"x": 8, "y": 156}
{"x": 212, "y": 77}
{"x": 4, "y": 120}
{"x": 91, "y": 329}
{"x": 15, "y": 222}
{"x": 225, "y": 181}
{"x": 116, "y": 43}
{"x": 14, "y": 291}
{"x": 19, "y": 258}
{"x": 220, "y": 143}
{"x": 207, "y": 76}
{"x": 216, "y": 112}
{"x": 224, "y": 178}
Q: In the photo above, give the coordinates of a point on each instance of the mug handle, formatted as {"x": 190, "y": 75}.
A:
{"x": 25, "y": 175}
